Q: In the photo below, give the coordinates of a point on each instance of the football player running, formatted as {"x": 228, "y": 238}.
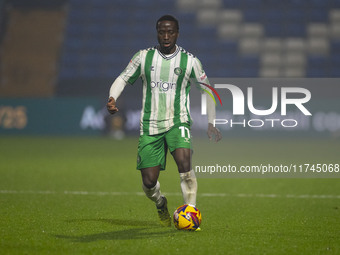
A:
{"x": 165, "y": 123}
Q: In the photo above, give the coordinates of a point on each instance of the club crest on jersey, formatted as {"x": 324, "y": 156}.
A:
{"x": 178, "y": 71}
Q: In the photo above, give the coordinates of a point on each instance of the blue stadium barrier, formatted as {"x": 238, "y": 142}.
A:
{"x": 103, "y": 35}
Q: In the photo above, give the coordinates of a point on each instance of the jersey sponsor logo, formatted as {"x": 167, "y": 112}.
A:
{"x": 163, "y": 86}
{"x": 178, "y": 71}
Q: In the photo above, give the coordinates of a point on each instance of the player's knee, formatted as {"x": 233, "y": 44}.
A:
{"x": 150, "y": 177}
{"x": 149, "y": 182}
{"x": 184, "y": 166}
{"x": 183, "y": 159}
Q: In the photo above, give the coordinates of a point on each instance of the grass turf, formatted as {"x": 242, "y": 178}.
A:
{"x": 62, "y": 195}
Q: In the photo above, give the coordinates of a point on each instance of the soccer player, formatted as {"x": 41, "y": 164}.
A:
{"x": 165, "y": 119}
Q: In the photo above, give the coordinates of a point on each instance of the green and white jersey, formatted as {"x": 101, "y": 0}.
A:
{"x": 166, "y": 86}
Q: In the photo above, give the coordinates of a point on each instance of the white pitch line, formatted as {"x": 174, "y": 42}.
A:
{"x": 103, "y": 193}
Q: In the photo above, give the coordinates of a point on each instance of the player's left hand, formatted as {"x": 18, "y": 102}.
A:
{"x": 213, "y": 131}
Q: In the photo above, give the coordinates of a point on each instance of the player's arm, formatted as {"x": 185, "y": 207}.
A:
{"x": 200, "y": 75}
{"x": 128, "y": 76}
{"x": 116, "y": 89}
{"x": 211, "y": 112}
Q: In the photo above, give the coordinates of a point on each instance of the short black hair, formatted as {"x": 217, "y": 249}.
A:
{"x": 168, "y": 18}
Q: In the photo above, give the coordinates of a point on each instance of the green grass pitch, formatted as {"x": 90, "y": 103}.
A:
{"x": 69, "y": 195}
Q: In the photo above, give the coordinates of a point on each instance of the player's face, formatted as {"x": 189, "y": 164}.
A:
{"x": 167, "y": 35}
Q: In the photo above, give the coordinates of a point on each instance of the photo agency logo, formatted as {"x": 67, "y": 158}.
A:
{"x": 266, "y": 109}
{"x": 245, "y": 113}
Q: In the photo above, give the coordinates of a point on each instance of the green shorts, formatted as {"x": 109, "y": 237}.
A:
{"x": 152, "y": 149}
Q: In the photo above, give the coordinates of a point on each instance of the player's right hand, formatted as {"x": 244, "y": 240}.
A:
{"x": 111, "y": 106}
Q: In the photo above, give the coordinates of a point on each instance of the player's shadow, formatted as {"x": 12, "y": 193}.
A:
{"x": 141, "y": 230}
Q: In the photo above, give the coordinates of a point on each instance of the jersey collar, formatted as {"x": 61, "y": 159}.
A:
{"x": 167, "y": 57}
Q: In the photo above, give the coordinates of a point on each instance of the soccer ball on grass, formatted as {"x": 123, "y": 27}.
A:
{"x": 187, "y": 217}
